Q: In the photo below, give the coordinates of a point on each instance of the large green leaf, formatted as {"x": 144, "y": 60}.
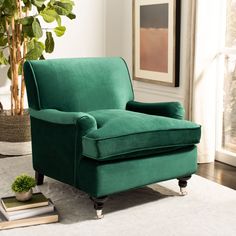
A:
{"x": 58, "y": 19}
{"x": 2, "y": 25}
{"x": 41, "y": 8}
{"x": 20, "y": 69}
{"x": 38, "y": 3}
{"x": 71, "y": 16}
{"x": 27, "y": 30}
{"x": 3, "y": 40}
{"x": 1, "y": 3}
{"x": 9, "y": 7}
{"x": 60, "y": 30}
{"x": 9, "y": 73}
{"x": 28, "y": 20}
{"x": 3, "y": 60}
{"x": 42, "y": 57}
{"x": 27, "y": 3}
{"x": 63, "y": 8}
{"x": 68, "y": 1}
{"x": 49, "y": 42}
{"x": 30, "y": 45}
{"x": 36, "y": 27}
{"x": 49, "y": 15}
{"x": 36, "y": 50}
{"x": 51, "y": 2}
{"x": 2, "y": 30}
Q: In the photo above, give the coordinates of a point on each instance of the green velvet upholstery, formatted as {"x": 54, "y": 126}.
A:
{"x": 123, "y": 132}
{"x": 87, "y": 130}
{"x": 116, "y": 176}
{"x": 64, "y": 118}
{"x": 167, "y": 109}
{"x": 52, "y": 79}
{"x": 52, "y": 150}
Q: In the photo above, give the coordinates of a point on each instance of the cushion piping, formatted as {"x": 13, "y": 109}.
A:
{"x": 151, "y": 131}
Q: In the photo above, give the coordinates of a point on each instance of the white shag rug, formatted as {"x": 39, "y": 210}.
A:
{"x": 157, "y": 210}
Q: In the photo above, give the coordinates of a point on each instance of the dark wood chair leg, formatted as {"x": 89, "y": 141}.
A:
{"x": 39, "y": 178}
{"x": 183, "y": 184}
{"x": 98, "y": 205}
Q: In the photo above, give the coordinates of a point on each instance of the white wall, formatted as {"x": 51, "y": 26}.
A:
{"x": 85, "y": 37}
{"x": 119, "y": 43}
{"x": 104, "y": 27}
{"x": 119, "y": 29}
{"x": 4, "y": 87}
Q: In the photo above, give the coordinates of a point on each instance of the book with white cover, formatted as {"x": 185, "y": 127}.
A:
{"x": 21, "y": 214}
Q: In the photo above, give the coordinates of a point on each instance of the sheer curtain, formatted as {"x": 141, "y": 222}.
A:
{"x": 207, "y": 44}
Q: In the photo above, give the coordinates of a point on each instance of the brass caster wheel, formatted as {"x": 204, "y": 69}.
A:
{"x": 99, "y": 214}
{"x": 98, "y": 203}
{"x": 183, "y": 192}
{"x": 183, "y": 185}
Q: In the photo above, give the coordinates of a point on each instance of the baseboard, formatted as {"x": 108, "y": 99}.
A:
{"x": 226, "y": 157}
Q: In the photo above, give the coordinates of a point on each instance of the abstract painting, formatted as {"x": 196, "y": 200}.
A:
{"x": 156, "y": 41}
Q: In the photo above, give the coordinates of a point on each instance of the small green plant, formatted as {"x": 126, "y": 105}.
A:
{"x": 23, "y": 183}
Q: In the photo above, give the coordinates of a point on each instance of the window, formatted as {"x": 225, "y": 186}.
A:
{"x": 227, "y": 149}
{"x": 229, "y": 99}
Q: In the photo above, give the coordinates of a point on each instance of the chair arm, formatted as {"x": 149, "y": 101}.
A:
{"x": 169, "y": 109}
{"x": 83, "y": 120}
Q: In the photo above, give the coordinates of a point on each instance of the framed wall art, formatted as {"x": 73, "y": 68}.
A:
{"x": 156, "y": 41}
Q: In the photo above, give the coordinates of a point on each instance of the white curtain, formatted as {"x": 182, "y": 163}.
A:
{"x": 208, "y": 43}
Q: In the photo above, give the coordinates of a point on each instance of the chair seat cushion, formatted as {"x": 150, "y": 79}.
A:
{"x": 123, "y": 134}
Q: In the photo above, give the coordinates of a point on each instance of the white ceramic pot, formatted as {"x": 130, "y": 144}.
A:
{"x": 24, "y": 196}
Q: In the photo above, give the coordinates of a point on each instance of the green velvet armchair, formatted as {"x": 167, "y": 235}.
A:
{"x": 87, "y": 130}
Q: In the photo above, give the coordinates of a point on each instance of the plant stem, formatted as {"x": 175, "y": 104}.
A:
{"x": 15, "y": 66}
{"x": 22, "y": 93}
{"x": 19, "y": 57}
{"x": 11, "y": 65}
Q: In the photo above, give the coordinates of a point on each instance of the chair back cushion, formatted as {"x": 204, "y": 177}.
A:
{"x": 78, "y": 84}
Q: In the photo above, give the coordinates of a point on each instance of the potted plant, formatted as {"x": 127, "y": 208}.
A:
{"x": 22, "y": 186}
{"x": 22, "y": 37}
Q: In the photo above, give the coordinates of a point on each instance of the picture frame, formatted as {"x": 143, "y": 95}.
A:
{"x": 156, "y": 41}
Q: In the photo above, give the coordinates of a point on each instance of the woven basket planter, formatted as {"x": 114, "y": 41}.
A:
{"x": 14, "y": 128}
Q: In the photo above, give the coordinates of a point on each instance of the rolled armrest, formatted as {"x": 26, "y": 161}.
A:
{"x": 168, "y": 109}
{"x": 84, "y": 120}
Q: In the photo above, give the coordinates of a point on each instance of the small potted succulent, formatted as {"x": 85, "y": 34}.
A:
{"x": 22, "y": 186}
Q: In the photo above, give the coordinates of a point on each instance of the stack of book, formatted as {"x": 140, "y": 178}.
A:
{"x": 38, "y": 210}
